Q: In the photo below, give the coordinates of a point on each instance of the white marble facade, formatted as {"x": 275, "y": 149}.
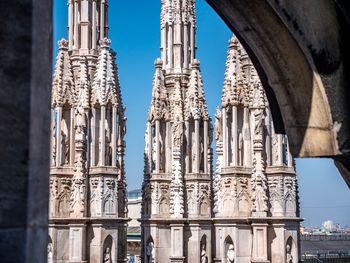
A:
{"x": 88, "y": 214}
{"x": 256, "y": 212}
{"x": 176, "y": 212}
{"x": 247, "y": 209}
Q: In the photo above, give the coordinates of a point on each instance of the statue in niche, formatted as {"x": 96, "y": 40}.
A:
{"x": 218, "y": 123}
{"x": 194, "y": 154}
{"x": 240, "y": 148}
{"x": 204, "y": 257}
{"x": 289, "y": 256}
{"x": 230, "y": 254}
{"x": 80, "y": 119}
{"x": 65, "y": 147}
{"x": 259, "y": 118}
{"x": 177, "y": 132}
{"x": 108, "y": 150}
{"x": 150, "y": 252}
{"x": 107, "y": 256}
{"x": 154, "y": 152}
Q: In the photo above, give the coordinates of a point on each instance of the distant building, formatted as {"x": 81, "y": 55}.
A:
{"x": 134, "y": 228}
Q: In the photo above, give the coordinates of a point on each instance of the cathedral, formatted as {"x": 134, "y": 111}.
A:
{"x": 87, "y": 209}
{"x": 247, "y": 209}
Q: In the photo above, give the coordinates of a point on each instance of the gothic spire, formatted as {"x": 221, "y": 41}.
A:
{"x": 63, "y": 81}
{"x": 195, "y": 99}
{"x": 105, "y": 86}
{"x": 159, "y": 102}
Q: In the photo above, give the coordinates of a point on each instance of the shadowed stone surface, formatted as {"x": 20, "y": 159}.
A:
{"x": 25, "y": 77}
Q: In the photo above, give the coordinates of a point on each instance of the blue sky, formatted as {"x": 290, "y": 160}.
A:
{"x": 134, "y": 31}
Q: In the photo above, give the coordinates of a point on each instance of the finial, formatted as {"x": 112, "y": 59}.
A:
{"x": 158, "y": 63}
{"x": 105, "y": 43}
{"x": 233, "y": 42}
{"x": 63, "y": 44}
{"x": 195, "y": 63}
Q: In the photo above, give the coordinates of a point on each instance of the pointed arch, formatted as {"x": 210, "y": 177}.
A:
{"x": 229, "y": 252}
{"x": 107, "y": 248}
{"x": 63, "y": 204}
{"x": 203, "y": 249}
{"x": 204, "y": 205}
{"x": 164, "y": 205}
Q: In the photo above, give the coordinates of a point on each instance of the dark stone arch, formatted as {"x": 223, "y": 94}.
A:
{"x": 300, "y": 55}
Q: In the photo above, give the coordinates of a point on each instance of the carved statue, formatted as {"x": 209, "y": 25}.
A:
{"x": 107, "y": 256}
{"x": 193, "y": 151}
{"x": 80, "y": 119}
{"x": 289, "y": 256}
{"x": 204, "y": 258}
{"x": 65, "y": 147}
{"x": 218, "y": 123}
{"x": 177, "y": 133}
{"x": 230, "y": 254}
{"x": 108, "y": 151}
{"x": 150, "y": 252}
{"x": 240, "y": 148}
{"x": 259, "y": 118}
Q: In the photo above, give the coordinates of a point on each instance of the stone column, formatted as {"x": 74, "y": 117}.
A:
{"x": 59, "y": 137}
{"x": 71, "y": 138}
{"x": 164, "y": 45}
{"x": 198, "y": 146}
{"x": 280, "y": 149}
{"x": 234, "y": 136}
{"x": 290, "y": 157}
{"x": 178, "y": 53}
{"x": 205, "y": 146}
{"x": 114, "y": 137}
{"x": 268, "y": 138}
{"x": 94, "y": 25}
{"x": 157, "y": 146}
{"x": 70, "y": 23}
{"x": 85, "y": 37}
{"x": 102, "y": 158}
{"x": 246, "y": 139}
{"x": 193, "y": 43}
{"x": 76, "y": 25}
{"x": 167, "y": 147}
{"x": 149, "y": 153}
{"x": 225, "y": 136}
{"x": 170, "y": 47}
{"x": 93, "y": 138}
{"x": 102, "y": 19}
{"x": 188, "y": 143}
{"x": 185, "y": 45}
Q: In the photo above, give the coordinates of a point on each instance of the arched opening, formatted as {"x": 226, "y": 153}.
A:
{"x": 290, "y": 254}
{"x": 149, "y": 250}
{"x": 204, "y": 250}
{"x": 108, "y": 253}
{"x": 229, "y": 250}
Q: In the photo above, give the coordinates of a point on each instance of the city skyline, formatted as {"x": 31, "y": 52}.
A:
{"x": 323, "y": 193}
